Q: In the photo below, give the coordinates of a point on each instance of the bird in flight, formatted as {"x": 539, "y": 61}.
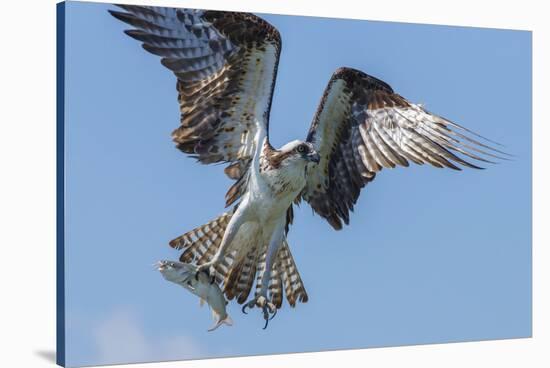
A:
{"x": 225, "y": 64}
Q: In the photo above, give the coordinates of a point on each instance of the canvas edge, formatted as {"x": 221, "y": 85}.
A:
{"x": 60, "y": 184}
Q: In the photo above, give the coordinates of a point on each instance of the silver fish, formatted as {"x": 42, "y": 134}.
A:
{"x": 185, "y": 274}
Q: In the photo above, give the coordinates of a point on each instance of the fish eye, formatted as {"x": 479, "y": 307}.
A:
{"x": 301, "y": 148}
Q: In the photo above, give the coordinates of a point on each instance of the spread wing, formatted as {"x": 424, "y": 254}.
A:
{"x": 362, "y": 126}
{"x": 225, "y": 64}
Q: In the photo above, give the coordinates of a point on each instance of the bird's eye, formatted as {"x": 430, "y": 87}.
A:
{"x": 301, "y": 148}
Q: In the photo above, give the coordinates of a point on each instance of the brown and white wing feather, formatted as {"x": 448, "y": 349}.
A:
{"x": 362, "y": 126}
{"x": 225, "y": 64}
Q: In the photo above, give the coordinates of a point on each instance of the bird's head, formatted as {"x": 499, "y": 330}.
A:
{"x": 299, "y": 152}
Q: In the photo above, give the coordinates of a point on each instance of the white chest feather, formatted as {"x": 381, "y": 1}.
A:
{"x": 287, "y": 180}
{"x": 271, "y": 193}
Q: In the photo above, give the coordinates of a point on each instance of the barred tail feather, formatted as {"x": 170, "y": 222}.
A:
{"x": 284, "y": 274}
{"x": 231, "y": 280}
{"x": 199, "y": 245}
{"x": 246, "y": 279}
{"x": 238, "y": 282}
{"x": 294, "y": 287}
{"x": 224, "y": 267}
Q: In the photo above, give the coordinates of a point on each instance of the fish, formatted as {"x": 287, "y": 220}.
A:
{"x": 185, "y": 274}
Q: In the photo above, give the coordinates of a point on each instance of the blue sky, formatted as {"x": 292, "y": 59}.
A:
{"x": 431, "y": 255}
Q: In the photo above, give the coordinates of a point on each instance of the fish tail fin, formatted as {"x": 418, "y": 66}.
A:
{"x": 227, "y": 321}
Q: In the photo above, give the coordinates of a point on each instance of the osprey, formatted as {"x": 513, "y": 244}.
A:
{"x": 226, "y": 66}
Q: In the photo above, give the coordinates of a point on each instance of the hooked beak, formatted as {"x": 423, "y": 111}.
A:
{"x": 314, "y": 157}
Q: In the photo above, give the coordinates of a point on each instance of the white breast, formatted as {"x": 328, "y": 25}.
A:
{"x": 282, "y": 187}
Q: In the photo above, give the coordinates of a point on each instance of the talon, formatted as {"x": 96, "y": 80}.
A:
{"x": 250, "y": 304}
{"x": 206, "y": 271}
{"x": 199, "y": 272}
{"x": 266, "y": 316}
{"x": 269, "y": 310}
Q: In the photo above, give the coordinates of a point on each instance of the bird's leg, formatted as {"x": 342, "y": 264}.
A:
{"x": 228, "y": 236}
{"x": 261, "y": 300}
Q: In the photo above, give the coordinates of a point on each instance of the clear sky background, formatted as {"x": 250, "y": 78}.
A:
{"x": 431, "y": 255}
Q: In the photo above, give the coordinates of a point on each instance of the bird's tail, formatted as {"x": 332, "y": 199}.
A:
{"x": 284, "y": 275}
{"x": 237, "y": 271}
{"x": 201, "y": 244}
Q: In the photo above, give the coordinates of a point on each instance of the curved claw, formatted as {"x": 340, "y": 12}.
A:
{"x": 206, "y": 271}
{"x": 267, "y": 311}
{"x": 273, "y": 315}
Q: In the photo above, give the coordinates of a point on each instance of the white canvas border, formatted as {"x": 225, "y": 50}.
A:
{"x": 27, "y": 195}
